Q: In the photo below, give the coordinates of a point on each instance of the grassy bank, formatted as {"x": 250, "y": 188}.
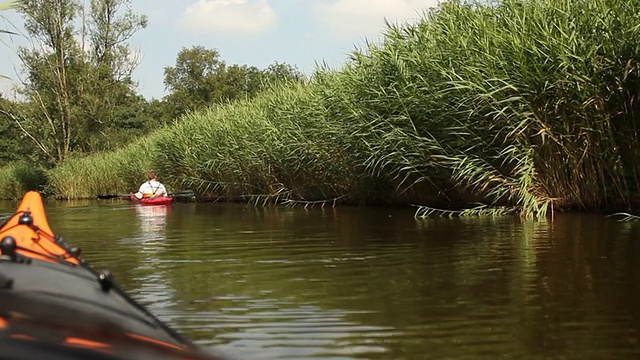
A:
{"x": 20, "y": 177}
{"x": 528, "y": 104}
{"x": 118, "y": 172}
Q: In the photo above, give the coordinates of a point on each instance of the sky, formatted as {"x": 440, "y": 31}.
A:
{"x": 302, "y": 33}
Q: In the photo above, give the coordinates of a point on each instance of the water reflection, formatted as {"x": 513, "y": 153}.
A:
{"x": 152, "y": 276}
{"x": 152, "y": 219}
{"x": 363, "y": 283}
{"x": 267, "y": 328}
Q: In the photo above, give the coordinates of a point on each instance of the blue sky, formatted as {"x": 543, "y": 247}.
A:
{"x": 245, "y": 32}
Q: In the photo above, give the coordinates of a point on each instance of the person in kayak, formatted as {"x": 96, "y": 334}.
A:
{"x": 152, "y": 188}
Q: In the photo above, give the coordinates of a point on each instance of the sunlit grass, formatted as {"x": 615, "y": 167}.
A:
{"x": 118, "y": 172}
{"x": 17, "y": 178}
{"x": 517, "y": 105}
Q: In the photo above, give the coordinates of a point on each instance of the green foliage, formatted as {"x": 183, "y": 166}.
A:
{"x": 507, "y": 104}
{"x": 196, "y": 80}
{"x": 8, "y": 5}
{"x": 201, "y": 79}
{"x": 516, "y": 105}
{"x": 116, "y": 172}
{"x": 112, "y": 110}
{"x": 20, "y": 177}
{"x": 246, "y": 148}
{"x": 281, "y": 72}
{"x": 14, "y": 145}
{"x": 81, "y": 96}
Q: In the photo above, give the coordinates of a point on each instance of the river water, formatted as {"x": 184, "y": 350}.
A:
{"x": 370, "y": 283}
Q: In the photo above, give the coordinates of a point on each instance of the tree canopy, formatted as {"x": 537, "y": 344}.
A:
{"x": 78, "y": 95}
{"x": 200, "y": 78}
{"x": 78, "y": 81}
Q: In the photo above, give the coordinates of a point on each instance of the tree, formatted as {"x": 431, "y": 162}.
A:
{"x": 111, "y": 103}
{"x": 199, "y": 79}
{"x": 109, "y": 33}
{"x": 193, "y": 80}
{"x": 281, "y": 72}
{"x": 14, "y": 146}
{"x": 77, "y": 93}
{"x": 50, "y": 24}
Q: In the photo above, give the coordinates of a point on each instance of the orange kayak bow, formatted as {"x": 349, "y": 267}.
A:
{"x": 53, "y": 305}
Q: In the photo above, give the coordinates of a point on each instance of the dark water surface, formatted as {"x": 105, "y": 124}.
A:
{"x": 370, "y": 283}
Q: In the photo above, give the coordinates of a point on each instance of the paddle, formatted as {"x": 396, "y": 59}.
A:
{"x": 172, "y": 194}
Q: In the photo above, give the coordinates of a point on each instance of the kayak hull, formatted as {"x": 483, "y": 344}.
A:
{"x": 160, "y": 200}
{"x": 54, "y": 305}
{"x": 69, "y": 308}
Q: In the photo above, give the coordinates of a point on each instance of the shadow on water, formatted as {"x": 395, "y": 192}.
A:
{"x": 371, "y": 283}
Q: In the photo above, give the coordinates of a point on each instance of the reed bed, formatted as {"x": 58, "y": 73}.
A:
{"x": 117, "y": 172}
{"x": 528, "y": 103}
{"x": 514, "y": 105}
{"x": 278, "y": 143}
{"x": 17, "y": 178}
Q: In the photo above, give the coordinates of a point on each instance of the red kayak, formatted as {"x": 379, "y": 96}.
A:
{"x": 158, "y": 200}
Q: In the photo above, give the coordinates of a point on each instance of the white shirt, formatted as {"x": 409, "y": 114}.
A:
{"x": 152, "y": 188}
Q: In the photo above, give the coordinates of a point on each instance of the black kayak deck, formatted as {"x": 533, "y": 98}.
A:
{"x": 72, "y": 312}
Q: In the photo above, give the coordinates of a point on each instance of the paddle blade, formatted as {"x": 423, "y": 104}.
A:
{"x": 182, "y": 193}
{"x": 112, "y": 196}
{"x": 174, "y": 194}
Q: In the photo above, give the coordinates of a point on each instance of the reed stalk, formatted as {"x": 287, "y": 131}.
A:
{"x": 529, "y": 105}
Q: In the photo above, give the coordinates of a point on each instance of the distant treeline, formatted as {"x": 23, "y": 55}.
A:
{"x": 523, "y": 105}
{"x": 77, "y": 96}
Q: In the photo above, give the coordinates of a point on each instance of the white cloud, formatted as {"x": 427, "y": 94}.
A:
{"x": 348, "y": 18}
{"x": 229, "y": 16}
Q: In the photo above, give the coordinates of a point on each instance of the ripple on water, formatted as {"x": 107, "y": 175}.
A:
{"x": 287, "y": 331}
{"x": 366, "y": 283}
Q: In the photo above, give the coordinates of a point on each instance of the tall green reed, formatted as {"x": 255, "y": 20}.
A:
{"x": 513, "y": 101}
{"x": 519, "y": 103}
{"x": 17, "y": 178}
{"x": 117, "y": 172}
